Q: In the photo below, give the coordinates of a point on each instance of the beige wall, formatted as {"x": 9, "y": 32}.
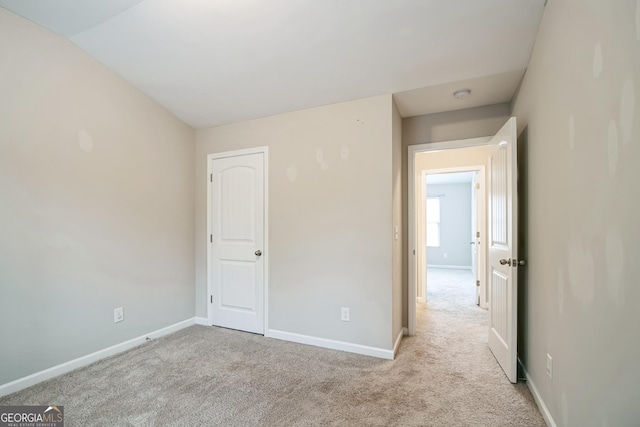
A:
{"x": 458, "y": 158}
{"x": 460, "y": 124}
{"x": 96, "y": 205}
{"x": 398, "y": 243}
{"x": 330, "y": 213}
{"x": 454, "y": 125}
{"x": 581, "y": 141}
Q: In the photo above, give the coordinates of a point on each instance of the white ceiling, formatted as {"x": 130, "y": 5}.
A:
{"x": 212, "y": 62}
{"x": 68, "y": 17}
{"x": 487, "y": 90}
{"x": 450, "y": 178}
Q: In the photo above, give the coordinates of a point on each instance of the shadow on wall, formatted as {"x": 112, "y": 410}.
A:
{"x": 452, "y": 125}
{"x": 523, "y": 227}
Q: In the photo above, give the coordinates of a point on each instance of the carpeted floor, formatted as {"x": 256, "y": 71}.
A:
{"x": 444, "y": 376}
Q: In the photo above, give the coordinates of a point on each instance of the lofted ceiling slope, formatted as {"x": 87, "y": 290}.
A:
{"x": 213, "y": 62}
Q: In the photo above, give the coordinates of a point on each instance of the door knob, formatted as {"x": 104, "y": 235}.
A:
{"x": 258, "y": 252}
{"x": 513, "y": 262}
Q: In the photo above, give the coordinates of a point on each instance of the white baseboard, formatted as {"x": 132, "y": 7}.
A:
{"x": 452, "y": 267}
{"x": 403, "y": 332}
{"x": 536, "y": 396}
{"x": 202, "y": 321}
{"x": 28, "y": 381}
{"x": 332, "y": 344}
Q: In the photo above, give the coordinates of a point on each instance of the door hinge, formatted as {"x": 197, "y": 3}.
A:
{"x": 414, "y": 251}
{"x": 478, "y": 234}
{"x": 211, "y": 299}
{"x": 210, "y": 238}
{"x": 211, "y": 178}
{"x": 477, "y": 282}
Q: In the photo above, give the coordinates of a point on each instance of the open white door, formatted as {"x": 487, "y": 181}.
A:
{"x": 503, "y": 257}
{"x": 237, "y": 238}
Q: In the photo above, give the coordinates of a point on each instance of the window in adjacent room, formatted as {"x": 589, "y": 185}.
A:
{"x": 433, "y": 222}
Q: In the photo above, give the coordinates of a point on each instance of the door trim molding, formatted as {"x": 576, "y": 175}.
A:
{"x": 264, "y": 150}
{"x": 412, "y": 150}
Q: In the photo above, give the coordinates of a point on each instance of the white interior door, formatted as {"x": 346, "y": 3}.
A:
{"x": 236, "y": 264}
{"x": 503, "y": 257}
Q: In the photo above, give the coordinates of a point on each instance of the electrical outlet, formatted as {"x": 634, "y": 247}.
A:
{"x": 118, "y": 314}
{"x": 445, "y": 255}
{"x": 344, "y": 314}
{"x": 549, "y": 366}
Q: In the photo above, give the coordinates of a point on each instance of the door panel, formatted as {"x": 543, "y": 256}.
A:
{"x": 237, "y": 285}
{"x": 503, "y": 286}
{"x": 237, "y": 204}
{"x": 237, "y": 232}
{"x": 499, "y": 231}
{"x": 499, "y": 297}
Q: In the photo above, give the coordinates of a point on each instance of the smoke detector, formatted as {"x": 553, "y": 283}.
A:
{"x": 462, "y": 93}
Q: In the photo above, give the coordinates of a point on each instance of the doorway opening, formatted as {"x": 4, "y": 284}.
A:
{"x": 451, "y": 252}
{"x": 452, "y": 157}
{"x": 237, "y": 234}
{"x": 441, "y": 157}
{"x": 502, "y": 231}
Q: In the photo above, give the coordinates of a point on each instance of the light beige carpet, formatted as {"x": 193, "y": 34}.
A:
{"x": 200, "y": 376}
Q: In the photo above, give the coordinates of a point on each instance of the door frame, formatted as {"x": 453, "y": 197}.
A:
{"x": 412, "y": 150}
{"x": 483, "y": 228}
{"x": 265, "y": 252}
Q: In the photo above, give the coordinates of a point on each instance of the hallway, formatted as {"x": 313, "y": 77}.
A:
{"x": 465, "y": 384}
{"x": 450, "y": 287}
